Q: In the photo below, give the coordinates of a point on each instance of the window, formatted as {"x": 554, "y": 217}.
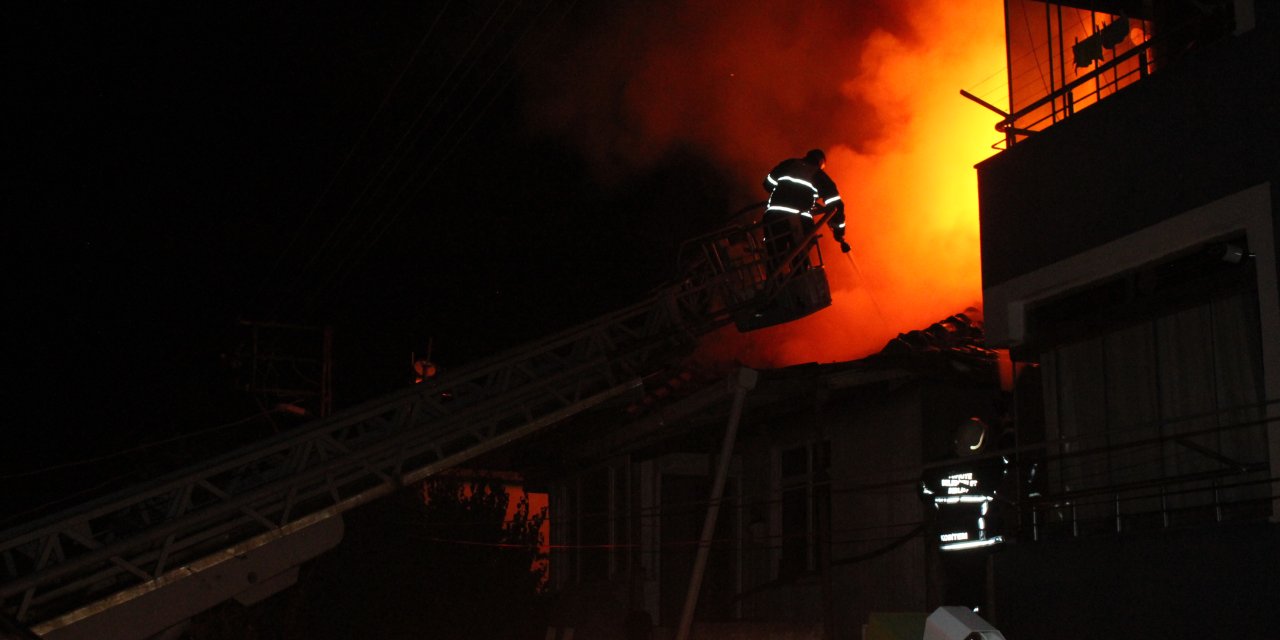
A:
{"x": 1157, "y": 420}
{"x": 804, "y": 511}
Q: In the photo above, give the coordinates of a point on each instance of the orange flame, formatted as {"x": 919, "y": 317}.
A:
{"x": 911, "y": 193}
{"x": 750, "y": 82}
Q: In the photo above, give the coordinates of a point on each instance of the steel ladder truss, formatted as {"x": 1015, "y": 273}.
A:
{"x": 77, "y": 562}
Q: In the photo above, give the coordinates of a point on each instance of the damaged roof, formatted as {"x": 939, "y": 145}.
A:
{"x": 681, "y": 400}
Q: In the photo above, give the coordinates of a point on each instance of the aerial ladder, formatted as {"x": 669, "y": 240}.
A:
{"x": 137, "y": 562}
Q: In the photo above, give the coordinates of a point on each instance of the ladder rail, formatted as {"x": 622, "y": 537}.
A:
{"x": 237, "y": 516}
{"x": 138, "y": 534}
{"x": 481, "y": 374}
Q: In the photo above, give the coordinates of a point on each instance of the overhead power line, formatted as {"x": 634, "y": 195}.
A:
{"x": 346, "y": 160}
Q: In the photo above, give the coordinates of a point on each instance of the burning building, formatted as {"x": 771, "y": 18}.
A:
{"x": 1126, "y": 451}
{"x": 821, "y": 521}
{"x": 1129, "y": 222}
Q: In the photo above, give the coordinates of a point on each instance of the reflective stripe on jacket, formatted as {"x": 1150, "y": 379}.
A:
{"x": 795, "y": 187}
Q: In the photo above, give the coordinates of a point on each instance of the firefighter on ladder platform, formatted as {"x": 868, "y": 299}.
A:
{"x": 798, "y": 187}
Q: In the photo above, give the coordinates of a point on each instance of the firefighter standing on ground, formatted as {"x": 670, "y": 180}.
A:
{"x": 797, "y": 188}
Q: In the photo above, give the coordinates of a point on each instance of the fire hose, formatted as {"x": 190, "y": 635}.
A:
{"x": 867, "y": 285}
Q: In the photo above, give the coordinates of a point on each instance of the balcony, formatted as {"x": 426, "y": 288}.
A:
{"x": 1067, "y": 56}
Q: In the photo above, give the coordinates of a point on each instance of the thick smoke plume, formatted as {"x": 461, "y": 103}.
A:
{"x": 750, "y": 83}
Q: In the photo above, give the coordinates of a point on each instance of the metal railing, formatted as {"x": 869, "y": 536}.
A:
{"x": 1118, "y": 482}
{"x": 1086, "y": 90}
{"x": 1062, "y": 103}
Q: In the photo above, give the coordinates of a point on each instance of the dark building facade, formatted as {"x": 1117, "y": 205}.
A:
{"x": 822, "y": 526}
{"x": 1129, "y": 233}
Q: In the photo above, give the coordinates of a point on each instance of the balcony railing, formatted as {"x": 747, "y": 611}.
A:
{"x": 1088, "y": 89}
{"x": 1155, "y": 477}
{"x": 1133, "y": 64}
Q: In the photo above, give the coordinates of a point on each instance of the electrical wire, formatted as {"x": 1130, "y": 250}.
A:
{"x": 847, "y": 484}
{"x": 386, "y": 99}
{"x": 753, "y": 546}
{"x": 135, "y": 449}
{"x": 1027, "y": 23}
{"x": 391, "y": 212}
{"x": 411, "y": 187}
{"x": 861, "y": 484}
{"x": 48, "y": 506}
{"x": 836, "y": 537}
{"x": 361, "y": 205}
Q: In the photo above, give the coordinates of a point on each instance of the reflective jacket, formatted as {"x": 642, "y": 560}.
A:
{"x": 796, "y": 186}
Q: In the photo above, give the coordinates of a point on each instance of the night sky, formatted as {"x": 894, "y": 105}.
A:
{"x": 182, "y": 167}
{"x": 471, "y": 175}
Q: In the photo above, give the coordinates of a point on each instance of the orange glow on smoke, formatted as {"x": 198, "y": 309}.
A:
{"x": 911, "y": 191}
{"x": 747, "y": 83}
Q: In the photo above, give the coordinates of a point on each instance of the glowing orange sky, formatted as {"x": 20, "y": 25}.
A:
{"x": 750, "y": 82}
